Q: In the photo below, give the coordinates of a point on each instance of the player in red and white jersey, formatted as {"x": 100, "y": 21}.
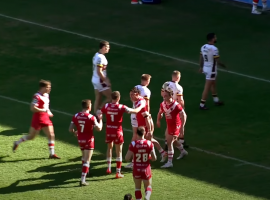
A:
{"x": 41, "y": 118}
{"x": 114, "y": 132}
{"x": 84, "y": 123}
{"x": 175, "y": 119}
{"x": 142, "y": 151}
{"x": 100, "y": 79}
{"x": 177, "y": 96}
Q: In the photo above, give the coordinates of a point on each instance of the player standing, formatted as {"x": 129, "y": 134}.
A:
{"x": 85, "y": 122}
{"x": 114, "y": 131}
{"x": 100, "y": 80}
{"x": 41, "y": 118}
{"x": 142, "y": 151}
{"x": 255, "y": 7}
{"x": 177, "y": 96}
{"x": 209, "y": 59}
{"x": 175, "y": 119}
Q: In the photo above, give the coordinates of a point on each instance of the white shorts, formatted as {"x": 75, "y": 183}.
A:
{"x": 134, "y": 121}
{"x": 99, "y": 85}
{"x": 209, "y": 74}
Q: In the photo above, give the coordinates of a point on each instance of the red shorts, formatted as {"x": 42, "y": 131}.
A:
{"x": 115, "y": 138}
{"x": 174, "y": 131}
{"x": 142, "y": 173}
{"x": 38, "y": 124}
{"x": 87, "y": 144}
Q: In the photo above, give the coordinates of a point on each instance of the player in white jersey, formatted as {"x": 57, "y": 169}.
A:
{"x": 209, "y": 59}
{"x": 100, "y": 79}
{"x": 177, "y": 96}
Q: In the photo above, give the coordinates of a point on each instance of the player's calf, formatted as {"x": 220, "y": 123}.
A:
{"x": 148, "y": 192}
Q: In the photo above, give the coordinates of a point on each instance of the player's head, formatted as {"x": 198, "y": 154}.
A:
{"x": 86, "y": 104}
{"x": 128, "y": 197}
{"x": 145, "y": 79}
{"x": 167, "y": 94}
{"x": 134, "y": 94}
{"x": 104, "y": 47}
{"x": 115, "y": 96}
{"x": 211, "y": 38}
{"x": 140, "y": 131}
{"x": 176, "y": 75}
{"x": 45, "y": 86}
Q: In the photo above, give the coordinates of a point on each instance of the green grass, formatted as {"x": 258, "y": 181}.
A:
{"x": 240, "y": 129}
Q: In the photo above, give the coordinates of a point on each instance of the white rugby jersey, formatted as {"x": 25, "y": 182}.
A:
{"x": 99, "y": 60}
{"x": 175, "y": 87}
{"x": 145, "y": 92}
{"x": 209, "y": 53}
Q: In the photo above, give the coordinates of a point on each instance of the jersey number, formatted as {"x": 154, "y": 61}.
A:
{"x": 81, "y": 123}
{"x": 112, "y": 118}
{"x": 141, "y": 157}
{"x": 205, "y": 58}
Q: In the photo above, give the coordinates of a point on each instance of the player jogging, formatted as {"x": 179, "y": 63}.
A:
{"x": 209, "y": 59}
{"x": 41, "y": 118}
{"x": 84, "y": 123}
{"x": 177, "y": 96}
{"x": 100, "y": 80}
{"x": 175, "y": 119}
{"x": 142, "y": 151}
{"x": 255, "y": 7}
{"x": 114, "y": 131}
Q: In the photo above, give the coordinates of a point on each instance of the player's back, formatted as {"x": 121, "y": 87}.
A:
{"x": 141, "y": 152}
{"x": 99, "y": 60}
{"x": 209, "y": 53}
{"x": 114, "y": 115}
{"x": 84, "y": 123}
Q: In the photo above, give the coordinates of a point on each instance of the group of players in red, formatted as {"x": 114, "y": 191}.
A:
{"x": 141, "y": 150}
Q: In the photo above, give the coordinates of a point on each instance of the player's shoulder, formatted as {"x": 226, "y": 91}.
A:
{"x": 178, "y": 86}
{"x": 99, "y": 56}
{"x": 204, "y": 46}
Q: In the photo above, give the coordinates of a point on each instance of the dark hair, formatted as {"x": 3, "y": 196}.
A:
{"x": 210, "y": 36}
{"x": 44, "y": 83}
{"x": 103, "y": 43}
{"x": 128, "y": 197}
{"x": 115, "y": 95}
{"x": 86, "y": 103}
{"x": 141, "y": 131}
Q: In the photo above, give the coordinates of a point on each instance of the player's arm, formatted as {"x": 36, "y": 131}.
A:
{"x": 201, "y": 63}
{"x": 183, "y": 117}
{"x": 153, "y": 154}
{"x": 34, "y": 106}
{"x": 147, "y": 118}
{"x": 129, "y": 155}
{"x": 100, "y": 73}
{"x": 159, "y": 116}
{"x": 147, "y": 100}
{"x": 216, "y": 58}
{"x": 72, "y": 128}
{"x": 132, "y": 111}
{"x": 98, "y": 125}
{"x": 180, "y": 100}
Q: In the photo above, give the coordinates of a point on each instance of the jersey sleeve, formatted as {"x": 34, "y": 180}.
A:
{"x": 130, "y": 148}
{"x": 100, "y": 61}
{"x": 161, "y": 108}
{"x": 179, "y": 91}
{"x": 125, "y": 109}
{"x": 179, "y": 107}
{"x": 73, "y": 120}
{"x": 35, "y": 100}
{"x": 147, "y": 95}
{"x": 216, "y": 53}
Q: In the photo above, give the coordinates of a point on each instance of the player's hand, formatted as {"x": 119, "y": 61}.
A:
{"x": 158, "y": 124}
{"x": 50, "y": 113}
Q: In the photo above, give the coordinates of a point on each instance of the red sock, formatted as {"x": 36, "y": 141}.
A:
{"x": 118, "y": 164}
{"x": 138, "y": 194}
{"x": 85, "y": 169}
{"x": 255, "y": 1}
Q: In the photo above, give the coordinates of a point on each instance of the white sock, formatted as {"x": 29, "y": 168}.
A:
{"x": 109, "y": 162}
{"x": 22, "y": 139}
{"x": 51, "y": 147}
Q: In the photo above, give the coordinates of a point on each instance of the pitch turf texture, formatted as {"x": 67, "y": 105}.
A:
{"x": 240, "y": 129}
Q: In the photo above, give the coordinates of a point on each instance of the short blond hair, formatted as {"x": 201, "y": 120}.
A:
{"x": 176, "y": 73}
{"x": 146, "y": 77}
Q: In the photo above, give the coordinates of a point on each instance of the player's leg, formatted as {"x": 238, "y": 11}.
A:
{"x": 49, "y": 131}
{"x": 170, "y": 140}
{"x": 214, "y": 93}
{"x": 160, "y": 149}
{"x": 107, "y": 92}
{"x": 148, "y": 188}
{"x": 109, "y": 156}
{"x": 118, "y": 149}
{"x": 207, "y": 86}
{"x": 98, "y": 100}
{"x": 32, "y": 134}
{"x": 166, "y": 145}
{"x": 138, "y": 185}
{"x": 87, "y": 155}
{"x": 134, "y": 124}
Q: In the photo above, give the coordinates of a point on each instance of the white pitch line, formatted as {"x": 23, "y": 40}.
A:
{"x": 130, "y": 47}
{"x": 243, "y": 162}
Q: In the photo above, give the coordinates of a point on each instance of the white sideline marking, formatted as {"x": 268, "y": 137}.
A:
{"x": 243, "y": 162}
{"x": 130, "y": 47}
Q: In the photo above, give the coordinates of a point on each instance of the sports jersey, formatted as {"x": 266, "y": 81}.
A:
{"x": 114, "y": 115}
{"x": 85, "y": 123}
{"x": 172, "y": 116}
{"x": 41, "y": 101}
{"x": 99, "y": 60}
{"x": 209, "y": 53}
{"x": 143, "y": 112}
{"x": 175, "y": 87}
